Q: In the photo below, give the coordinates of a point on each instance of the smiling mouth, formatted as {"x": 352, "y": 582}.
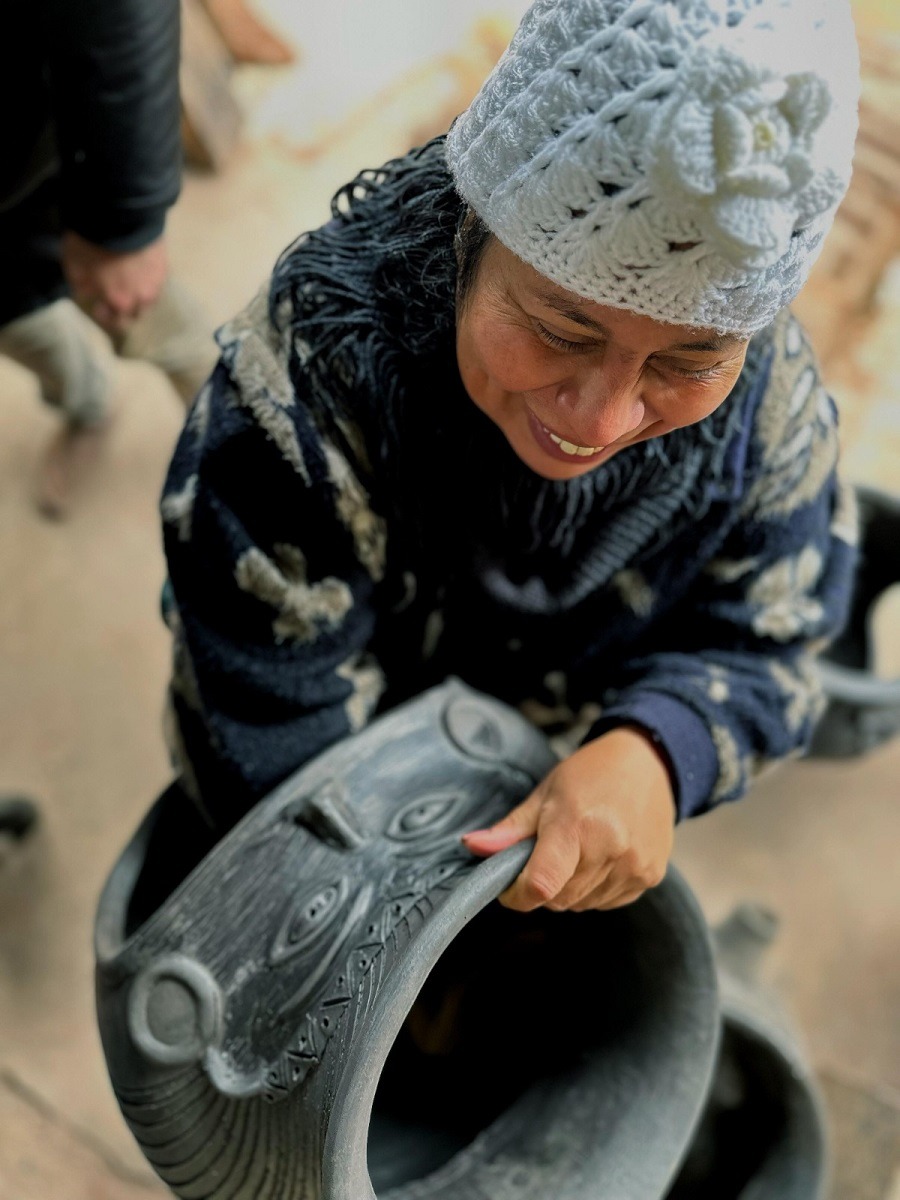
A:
{"x": 571, "y": 449}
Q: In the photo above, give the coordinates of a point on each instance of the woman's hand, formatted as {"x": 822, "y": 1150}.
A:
{"x": 604, "y": 819}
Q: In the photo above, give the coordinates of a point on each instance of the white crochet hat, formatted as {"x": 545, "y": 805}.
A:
{"x": 679, "y": 158}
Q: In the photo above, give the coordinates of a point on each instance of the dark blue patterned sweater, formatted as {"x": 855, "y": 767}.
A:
{"x": 344, "y": 528}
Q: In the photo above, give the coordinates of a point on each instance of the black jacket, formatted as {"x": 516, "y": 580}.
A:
{"x": 89, "y": 90}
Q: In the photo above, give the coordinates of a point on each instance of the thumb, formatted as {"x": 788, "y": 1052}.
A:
{"x": 516, "y": 826}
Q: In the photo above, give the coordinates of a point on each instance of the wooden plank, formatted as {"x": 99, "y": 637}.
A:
{"x": 843, "y": 289}
{"x": 211, "y": 119}
{"x": 856, "y": 261}
{"x": 248, "y": 39}
{"x": 880, "y": 55}
{"x": 879, "y": 125}
{"x": 883, "y": 168}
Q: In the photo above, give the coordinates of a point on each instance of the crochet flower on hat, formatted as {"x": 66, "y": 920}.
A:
{"x": 677, "y": 158}
{"x": 735, "y": 142}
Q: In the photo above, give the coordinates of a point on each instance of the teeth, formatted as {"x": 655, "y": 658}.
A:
{"x": 571, "y": 448}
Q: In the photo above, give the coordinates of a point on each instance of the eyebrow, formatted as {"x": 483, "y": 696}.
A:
{"x": 573, "y": 313}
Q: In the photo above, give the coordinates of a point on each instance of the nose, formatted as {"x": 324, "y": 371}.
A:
{"x": 602, "y": 406}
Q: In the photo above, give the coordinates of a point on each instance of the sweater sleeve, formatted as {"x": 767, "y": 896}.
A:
{"x": 728, "y": 684}
{"x": 116, "y": 108}
{"x": 274, "y": 557}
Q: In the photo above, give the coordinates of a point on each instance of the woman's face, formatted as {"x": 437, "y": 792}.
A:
{"x": 570, "y": 382}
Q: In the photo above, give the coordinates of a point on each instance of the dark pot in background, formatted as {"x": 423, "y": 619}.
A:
{"x": 863, "y": 709}
{"x": 763, "y": 1135}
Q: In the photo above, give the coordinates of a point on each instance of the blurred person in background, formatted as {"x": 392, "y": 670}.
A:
{"x": 531, "y": 409}
{"x": 91, "y": 163}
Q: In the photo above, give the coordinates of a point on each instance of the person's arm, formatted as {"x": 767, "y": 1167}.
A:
{"x": 274, "y": 559}
{"x": 726, "y": 687}
{"x": 114, "y": 85}
{"x": 736, "y": 689}
{"x": 113, "y": 68}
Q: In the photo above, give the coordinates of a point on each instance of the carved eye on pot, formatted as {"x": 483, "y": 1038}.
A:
{"x": 426, "y": 815}
{"x": 307, "y": 919}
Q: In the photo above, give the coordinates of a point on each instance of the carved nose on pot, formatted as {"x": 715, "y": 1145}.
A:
{"x": 174, "y": 1011}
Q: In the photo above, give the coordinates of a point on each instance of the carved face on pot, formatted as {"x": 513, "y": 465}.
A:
{"x": 370, "y": 853}
{"x": 292, "y": 910}
{"x": 250, "y": 1021}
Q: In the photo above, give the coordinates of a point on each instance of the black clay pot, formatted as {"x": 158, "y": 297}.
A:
{"x": 863, "y": 709}
{"x": 762, "y": 1136}
{"x": 329, "y": 1005}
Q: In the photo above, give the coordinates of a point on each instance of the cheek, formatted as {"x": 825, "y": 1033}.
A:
{"x": 689, "y": 401}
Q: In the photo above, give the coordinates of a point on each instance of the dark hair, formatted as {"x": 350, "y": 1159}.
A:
{"x": 470, "y": 243}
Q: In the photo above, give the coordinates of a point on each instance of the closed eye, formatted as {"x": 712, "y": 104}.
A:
{"x": 688, "y": 372}
{"x": 561, "y": 343}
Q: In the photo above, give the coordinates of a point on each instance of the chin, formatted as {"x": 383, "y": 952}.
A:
{"x": 551, "y": 470}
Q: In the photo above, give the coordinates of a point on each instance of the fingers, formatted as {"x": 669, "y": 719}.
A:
{"x": 603, "y": 822}
{"x": 583, "y": 884}
{"x": 552, "y": 865}
{"x": 558, "y": 877}
{"x": 618, "y": 889}
{"x": 563, "y": 872}
{"x": 111, "y": 319}
{"x": 516, "y": 826}
{"x": 604, "y": 900}
{"x": 114, "y": 313}
{"x": 113, "y": 287}
{"x": 573, "y": 859}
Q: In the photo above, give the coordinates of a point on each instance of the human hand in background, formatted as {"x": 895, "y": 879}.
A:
{"x": 113, "y": 287}
{"x": 604, "y": 820}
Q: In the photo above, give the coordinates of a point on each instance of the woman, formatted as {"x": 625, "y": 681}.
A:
{"x": 531, "y": 410}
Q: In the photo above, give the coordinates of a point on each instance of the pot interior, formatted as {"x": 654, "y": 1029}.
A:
{"x": 516, "y": 1002}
